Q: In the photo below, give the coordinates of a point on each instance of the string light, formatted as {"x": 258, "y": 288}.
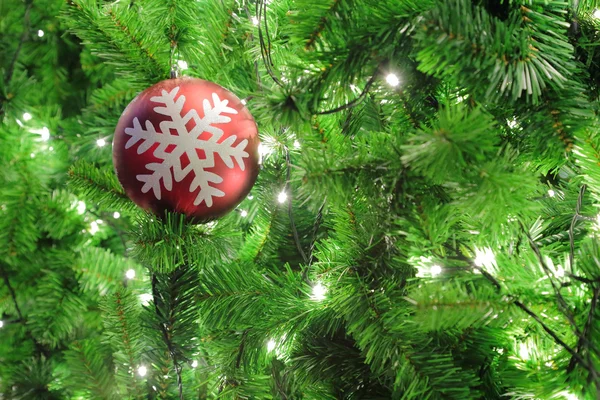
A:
{"x": 484, "y": 257}
{"x": 296, "y": 144}
{"x": 524, "y": 351}
{"x": 436, "y": 270}
{"x": 392, "y": 79}
{"x": 40, "y": 33}
{"x": 94, "y": 228}
{"x": 142, "y": 370}
{"x": 130, "y": 274}
{"x": 194, "y": 364}
{"x": 101, "y": 142}
{"x": 32, "y": 155}
{"x": 271, "y": 345}
{"x": 182, "y": 64}
{"x": 116, "y": 215}
{"x": 254, "y": 21}
{"x": 263, "y": 151}
{"x": 551, "y": 193}
{"x": 45, "y": 134}
{"x": 80, "y": 207}
{"x": 1, "y": 323}
{"x": 250, "y": 197}
{"x": 244, "y": 213}
{"x": 145, "y": 298}
{"x": 596, "y": 13}
{"x": 282, "y": 197}
{"x": 318, "y": 292}
{"x": 27, "y": 116}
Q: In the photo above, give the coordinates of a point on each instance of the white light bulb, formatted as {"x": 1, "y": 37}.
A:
{"x": 392, "y": 79}
{"x": 571, "y": 396}
{"x": 250, "y": 197}
{"x": 94, "y": 227}
{"x": 551, "y": 193}
{"x": 318, "y": 292}
{"x": 436, "y": 270}
{"x": 182, "y": 64}
{"x": 596, "y": 13}
{"x": 254, "y": 21}
{"x": 80, "y": 207}
{"x": 101, "y": 142}
{"x": 145, "y": 298}
{"x": 142, "y": 370}
{"x": 282, "y": 197}
{"x": 27, "y": 117}
{"x": 50, "y": 148}
{"x": 45, "y": 134}
{"x": 40, "y": 33}
{"x": 116, "y": 215}
{"x": 32, "y": 155}
{"x": 524, "y": 351}
{"x": 271, "y": 345}
{"x": 296, "y": 144}
{"x": 244, "y": 213}
{"x": 244, "y": 101}
{"x": 1, "y": 323}
{"x": 485, "y": 257}
{"x": 130, "y": 274}
{"x": 194, "y": 364}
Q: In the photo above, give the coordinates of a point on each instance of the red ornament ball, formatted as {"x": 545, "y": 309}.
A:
{"x": 189, "y": 146}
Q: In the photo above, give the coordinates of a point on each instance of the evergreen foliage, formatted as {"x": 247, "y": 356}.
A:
{"x": 440, "y": 233}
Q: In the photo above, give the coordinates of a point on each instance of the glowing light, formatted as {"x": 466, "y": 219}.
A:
{"x": 45, "y": 134}
{"x": 27, "y": 117}
{"x": 271, "y": 345}
{"x": 524, "y": 351}
{"x": 571, "y": 396}
{"x": 551, "y": 193}
{"x": 296, "y": 144}
{"x": 244, "y": 103}
{"x": 560, "y": 272}
{"x": 596, "y": 13}
{"x": 116, "y": 215}
{"x": 244, "y": 213}
{"x": 282, "y": 197}
{"x": 50, "y": 148}
{"x": 182, "y": 64}
{"x": 250, "y": 197}
{"x": 254, "y": 21}
{"x": 318, "y": 292}
{"x": 101, "y": 142}
{"x": 80, "y": 207}
{"x": 145, "y": 298}
{"x": 94, "y": 227}
{"x": 484, "y": 257}
{"x": 194, "y": 364}
{"x": 19, "y": 122}
{"x": 436, "y": 270}
{"x": 392, "y": 79}
{"x": 142, "y": 370}
{"x": 32, "y": 155}
{"x": 40, "y": 33}
{"x": 1, "y": 323}
{"x": 512, "y": 123}
{"x": 130, "y": 274}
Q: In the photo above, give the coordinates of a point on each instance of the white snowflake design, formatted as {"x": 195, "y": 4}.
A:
{"x": 186, "y": 143}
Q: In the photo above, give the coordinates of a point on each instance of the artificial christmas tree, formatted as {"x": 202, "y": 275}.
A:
{"x": 424, "y": 225}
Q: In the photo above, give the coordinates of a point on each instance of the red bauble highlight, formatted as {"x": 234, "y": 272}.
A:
{"x": 189, "y": 146}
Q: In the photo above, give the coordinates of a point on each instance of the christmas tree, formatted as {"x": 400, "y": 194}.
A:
{"x": 424, "y": 224}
